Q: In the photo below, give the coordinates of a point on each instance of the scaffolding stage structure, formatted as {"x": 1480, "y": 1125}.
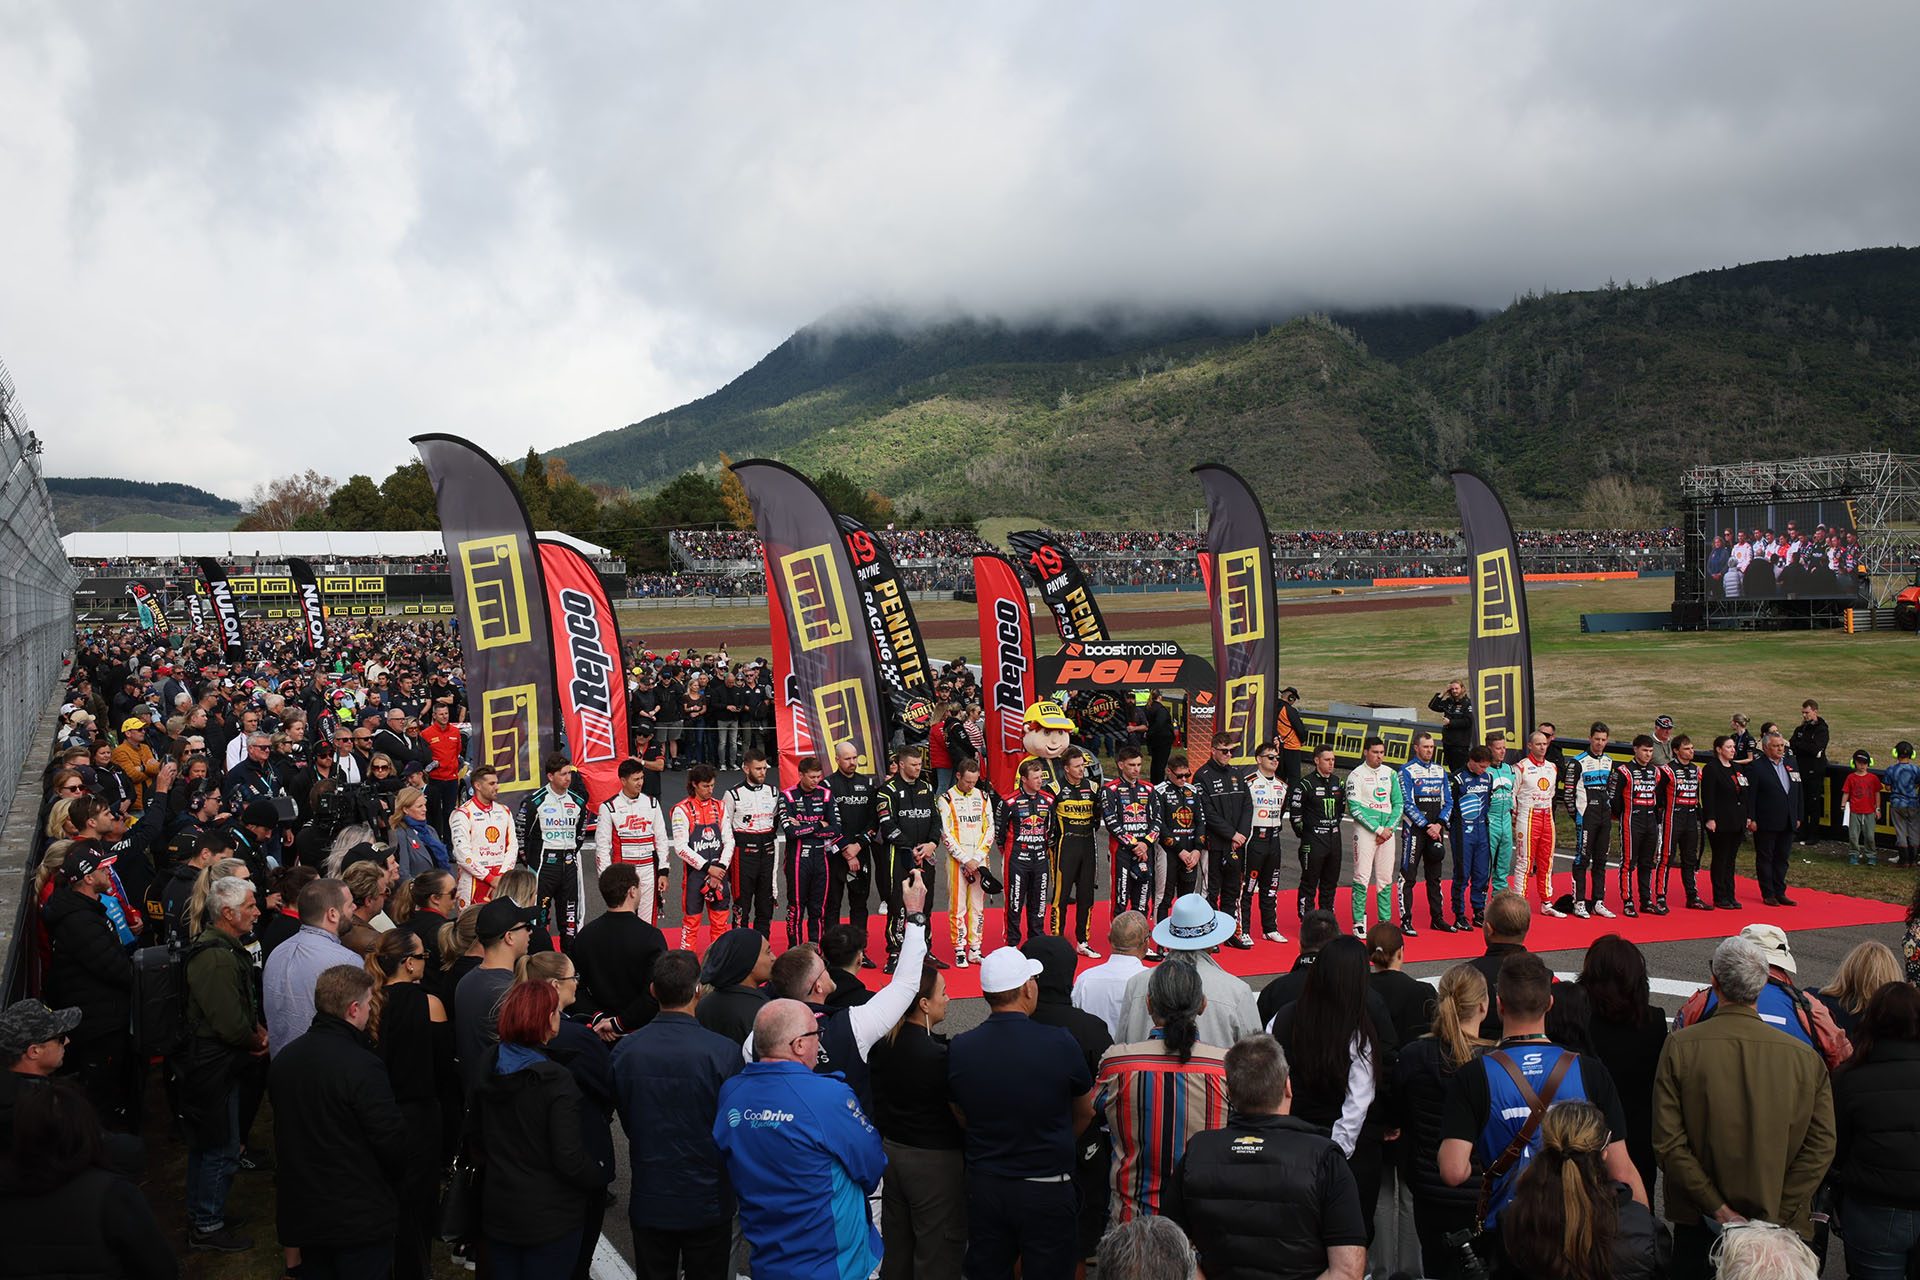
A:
{"x": 1883, "y": 491}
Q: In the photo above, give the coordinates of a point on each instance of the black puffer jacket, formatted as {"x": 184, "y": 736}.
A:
{"x": 1876, "y": 1109}
{"x": 94, "y": 1226}
{"x": 527, "y": 1134}
{"x": 90, "y": 970}
{"x": 1421, "y": 1078}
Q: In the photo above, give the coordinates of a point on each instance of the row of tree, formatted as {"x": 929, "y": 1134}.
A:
{"x": 629, "y": 524}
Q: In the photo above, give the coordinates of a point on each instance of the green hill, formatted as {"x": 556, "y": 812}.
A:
{"x": 107, "y": 503}
{"x": 1354, "y": 418}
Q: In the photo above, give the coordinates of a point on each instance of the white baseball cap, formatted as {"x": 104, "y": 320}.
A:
{"x": 1007, "y": 970}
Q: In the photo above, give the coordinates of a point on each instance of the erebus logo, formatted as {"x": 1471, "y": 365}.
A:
{"x": 592, "y": 666}
{"x": 316, "y": 624}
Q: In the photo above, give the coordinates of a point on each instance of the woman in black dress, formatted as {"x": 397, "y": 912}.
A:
{"x": 1726, "y": 809}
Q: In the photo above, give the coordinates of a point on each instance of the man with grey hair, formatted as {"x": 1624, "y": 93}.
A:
{"x": 1779, "y": 797}
{"x": 1146, "y": 1248}
{"x": 1764, "y": 1251}
{"x": 1742, "y": 1116}
{"x": 224, "y": 1030}
{"x": 799, "y": 1152}
{"x": 1305, "y": 1220}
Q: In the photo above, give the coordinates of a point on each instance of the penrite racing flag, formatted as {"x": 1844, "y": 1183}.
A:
{"x": 505, "y": 644}
{"x": 1006, "y": 666}
{"x": 1062, "y": 586}
{"x": 1237, "y": 567}
{"x": 313, "y": 618}
{"x": 225, "y": 612}
{"x": 591, "y": 677}
{"x": 825, "y": 688}
{"x": 1499, "y": 648}
{"x": 897, "y": 644}
{"x": 145, "y": 605}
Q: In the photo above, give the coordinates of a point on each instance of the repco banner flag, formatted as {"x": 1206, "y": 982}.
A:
{"x": 506, "y": 645}
{"x": 1237, "y": 567}
{"x": 145, "y": 605}
{"x": 1006, "y": 666}
{"x": 313, "y": 618}
{"x": 826, "y": 691}
{"x": 1062, "y": 586}
{"x": 225, "y": 612}
{"x": 590, "y": 676}
{"x": 897, "y": 645}
{"x": 1499, "y": 648}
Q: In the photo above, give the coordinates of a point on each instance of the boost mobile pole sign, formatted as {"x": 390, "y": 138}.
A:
{"x": 1124, "y": 664}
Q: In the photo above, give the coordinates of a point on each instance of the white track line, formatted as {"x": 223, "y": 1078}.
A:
{"x": 608, "y": 1264}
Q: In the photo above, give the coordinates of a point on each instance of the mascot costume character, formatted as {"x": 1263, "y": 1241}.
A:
{"x": 1047, "y": 735}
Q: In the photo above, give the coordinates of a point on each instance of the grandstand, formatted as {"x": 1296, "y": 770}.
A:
{"x": 727, "y": 561}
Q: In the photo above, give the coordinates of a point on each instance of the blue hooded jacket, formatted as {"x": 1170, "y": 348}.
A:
{"x": 789, "y": 1135}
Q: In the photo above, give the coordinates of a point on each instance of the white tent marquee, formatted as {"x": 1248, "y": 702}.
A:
{"x": 398, "y": 545}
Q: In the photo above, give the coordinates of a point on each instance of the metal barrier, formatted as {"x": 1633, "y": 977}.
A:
{"x": 36, "y": 628}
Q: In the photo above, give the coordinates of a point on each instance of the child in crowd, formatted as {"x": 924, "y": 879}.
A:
{"x": 1862, "y": 789}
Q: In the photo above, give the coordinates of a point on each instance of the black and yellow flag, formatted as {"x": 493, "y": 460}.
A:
{"x": 1237, "y": 567}
{"x": 1499, "y": 649}
{"x": 506, "y": 645}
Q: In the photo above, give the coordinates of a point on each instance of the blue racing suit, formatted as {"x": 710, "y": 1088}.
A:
{"x": 1472, "y": 842}
{"x": 1429, "y": 800}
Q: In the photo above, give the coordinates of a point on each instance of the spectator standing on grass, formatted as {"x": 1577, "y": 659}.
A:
{"x": 224, "y": 1032}
{"x": 1809, "y": 748}
{"x": 1876, "y": 1163}
{"x": 1778, "y": 795}
{"x": 340, "y": 1138}
{"x": 1305, "y": 1223}
{"x": 1742, "y": 1116}
{"x": 1903, "y": 792}
{"x": 1860, "y": 795}
{"x": 325, "y": 908}
{"x": 667, "y": 1076}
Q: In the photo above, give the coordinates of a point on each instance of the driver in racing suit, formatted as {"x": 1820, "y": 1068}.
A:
{"x": 1639, "y": 802}
{"x": 1588, "y": 793}
{"x": 1472, "y": 838}
{"x": 482, "y": 840}
{"x": 1126, "y": 810}
{"x": 1180, "y": 863}
{"x": 1423, "y": 836}
{"x": 704, "y": 840}
{"x": 1534, "y": 781}
{"x": 808, "y": 821}
{"x": 632, "y": 830}
{"x": 553, "y": 829}
{"x": 1027, "y": 823}
{"x": 1316, "y": 804}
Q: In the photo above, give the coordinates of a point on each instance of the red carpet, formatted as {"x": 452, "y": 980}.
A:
{"x": 1815, "y": 911}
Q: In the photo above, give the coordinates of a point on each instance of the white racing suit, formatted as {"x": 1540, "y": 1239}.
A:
{"x": 484, "y": 845}
{"x": 634, "y": 831}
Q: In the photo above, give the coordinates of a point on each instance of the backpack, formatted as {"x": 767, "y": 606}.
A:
{"x": 160, "y": 999}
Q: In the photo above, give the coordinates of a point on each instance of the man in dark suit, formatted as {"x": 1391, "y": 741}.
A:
{"x": 1777, "y": 808}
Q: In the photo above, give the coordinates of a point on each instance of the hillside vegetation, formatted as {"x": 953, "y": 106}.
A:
{"x": 1353, "y": 418}
{"x": 111, "y": 504}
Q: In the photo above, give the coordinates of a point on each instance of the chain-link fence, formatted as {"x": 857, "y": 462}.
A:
{"x": 36, "y": 608}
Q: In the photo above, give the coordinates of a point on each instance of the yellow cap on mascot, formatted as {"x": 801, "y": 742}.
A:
{"x": 1046, "y": 714}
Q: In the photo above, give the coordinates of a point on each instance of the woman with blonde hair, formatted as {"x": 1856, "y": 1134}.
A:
{"x": 1868, "y": 967}
{"x": 1421, "y": 1079}
{"x": 415, "y": 845}
{"x": 195, "y": 919}
{"x": 414, "y": 1037}
{"x": 1569, "y": 1218}
{"x": 459, "y": 949}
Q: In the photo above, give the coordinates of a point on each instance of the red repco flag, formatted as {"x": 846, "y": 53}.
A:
{"x": 1006, "y": 665}
{"x": 589, "y": 674}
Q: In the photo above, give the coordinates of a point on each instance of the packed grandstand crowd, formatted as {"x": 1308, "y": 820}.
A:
{"x": 387, "y": 993}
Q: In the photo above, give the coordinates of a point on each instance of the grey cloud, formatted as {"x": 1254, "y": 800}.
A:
{"x": 360, "y": 221}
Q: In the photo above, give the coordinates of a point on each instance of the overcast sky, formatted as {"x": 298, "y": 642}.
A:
{"x": 239, "y": 239}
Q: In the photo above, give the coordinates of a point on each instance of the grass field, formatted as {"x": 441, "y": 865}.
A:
{"x": 1868, "y": 685}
